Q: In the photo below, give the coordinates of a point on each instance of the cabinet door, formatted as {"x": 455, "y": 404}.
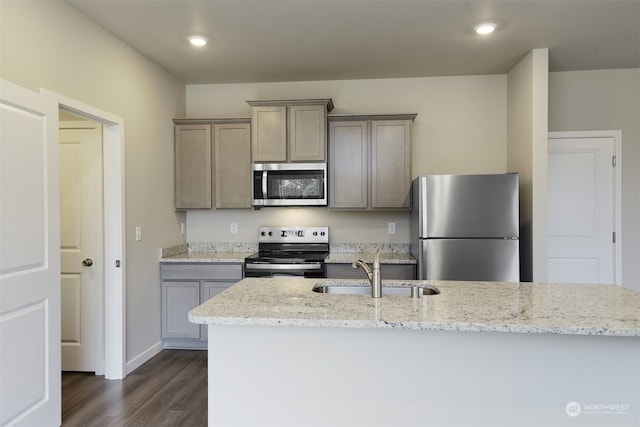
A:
{"x": 232, "y": 154}
{"x": 307, "y": 133}
{"x": 391, "y": 164}
{"x": 269, "y": 134}
{"x": 348, "y": 172}
{"x": 178, "y": 298}
{"x": 193, "y": 166}
{"x": 209, "y": 290}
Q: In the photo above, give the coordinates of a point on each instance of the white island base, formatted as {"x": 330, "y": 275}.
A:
{"x": 335, "y": 376}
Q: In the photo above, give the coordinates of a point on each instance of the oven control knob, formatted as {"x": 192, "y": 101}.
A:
{"x": 270, "y": 233}
{"x": 322, "y": 233}
{"x": 315, "y": 233}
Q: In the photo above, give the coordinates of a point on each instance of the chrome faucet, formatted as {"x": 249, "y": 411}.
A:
{"x": 373, "y": 274}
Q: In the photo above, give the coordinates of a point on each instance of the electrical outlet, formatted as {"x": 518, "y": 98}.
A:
{"x": 234, "y": 228}
{"x": 138, "y": 233}
{"x": 392, "y": 227}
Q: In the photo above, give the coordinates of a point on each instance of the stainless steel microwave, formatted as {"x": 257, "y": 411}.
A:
{"x": 289, "y": 184}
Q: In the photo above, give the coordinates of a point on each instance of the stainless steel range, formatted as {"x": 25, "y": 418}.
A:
{"x": 289, "y": 251}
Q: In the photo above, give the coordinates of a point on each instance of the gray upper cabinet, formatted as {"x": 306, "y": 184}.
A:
{"x": 212, "y": 158}
{"x": 370, "y": 161}
{"x": 307, "y": 133}
{"x": 391, "y": 164}
{"x": 269, "y": 134}
{"x": 232, "y": 155}
{"x": 193, "y": 166}
{"x": 348, "y": 164}
{"x": 289, "y": 130}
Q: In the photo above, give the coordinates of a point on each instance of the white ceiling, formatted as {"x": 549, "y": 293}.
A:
{"x": 302, "y": 40}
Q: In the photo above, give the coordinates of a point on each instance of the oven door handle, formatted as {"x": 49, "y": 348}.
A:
{"x": 299, "y": 267}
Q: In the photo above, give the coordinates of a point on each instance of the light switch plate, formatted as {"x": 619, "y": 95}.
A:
{"x": 392, "y": 228}
{"x": 138, "y": 233}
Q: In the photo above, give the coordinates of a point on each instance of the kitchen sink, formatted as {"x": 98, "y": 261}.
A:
{"x": 366, "y": 290}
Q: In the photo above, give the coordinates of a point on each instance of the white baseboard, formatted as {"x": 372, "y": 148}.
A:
{"x": 139, "y": 360}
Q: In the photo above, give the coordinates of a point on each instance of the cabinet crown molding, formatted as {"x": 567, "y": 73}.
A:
{"x": 350, "y": 117}
{"x": 228, "y": 120}
{"x": 311, "y": 101}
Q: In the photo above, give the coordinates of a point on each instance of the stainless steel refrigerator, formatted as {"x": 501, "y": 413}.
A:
{"x": 466, "y": 227}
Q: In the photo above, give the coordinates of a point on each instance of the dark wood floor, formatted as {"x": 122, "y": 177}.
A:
{"x": 168, "y": 390}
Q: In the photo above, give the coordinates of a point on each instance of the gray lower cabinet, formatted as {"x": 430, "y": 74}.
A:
{"x": 388, "y": 272}
{"x": 184, "y": 287}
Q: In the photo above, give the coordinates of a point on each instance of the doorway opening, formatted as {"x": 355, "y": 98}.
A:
{"x": 81, "y": 243}
{"x": 111, "y": 325}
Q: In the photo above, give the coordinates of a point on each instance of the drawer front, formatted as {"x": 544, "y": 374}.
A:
{"x": 197, "y": 271}
{"x": 387, "y": 271}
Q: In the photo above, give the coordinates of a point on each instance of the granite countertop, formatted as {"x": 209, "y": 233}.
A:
{"x": 339, "y": 258}
{"x": 341, "y": 253}
{"x": 578, "y": 309}
{"x": 385, "y": 258}
{"x": 207, "y": 253}
{"x": 209, "y": 257}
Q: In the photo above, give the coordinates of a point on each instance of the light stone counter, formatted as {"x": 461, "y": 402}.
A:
{"x": 339, "y": 258}
{"x": 296, "y": 357}
{"x": 341, "y": 253}
{"x": 208, "y": 253}
{"x": 385, "y": 258}
{"x": 207, "y": 257}
{"x": 390, "y": 253}
{"x": 460, "y": 306}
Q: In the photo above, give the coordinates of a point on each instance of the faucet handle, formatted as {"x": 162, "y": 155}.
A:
{"x": 376, "y": 260}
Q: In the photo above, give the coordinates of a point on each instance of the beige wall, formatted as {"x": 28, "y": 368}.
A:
{"x": 607, "y": 100}
{"x": 527, "y": 154}
{"x": 50, "y": 45}
{"x": 460, "y": 128}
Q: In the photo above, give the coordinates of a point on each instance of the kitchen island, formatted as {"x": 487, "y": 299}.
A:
{"x": 477, "y": 354}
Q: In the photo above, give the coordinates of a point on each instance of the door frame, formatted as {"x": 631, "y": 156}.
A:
{"x": 111, "y": 326}
{"x": 616, "y": 135}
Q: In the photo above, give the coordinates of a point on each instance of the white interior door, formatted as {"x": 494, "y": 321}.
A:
{"x": 80, "y": 242}
{"x": 582, "y": 210}
{"x": 29, "y": 260}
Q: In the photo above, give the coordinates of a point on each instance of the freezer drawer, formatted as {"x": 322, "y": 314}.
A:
{"x": 495, "y": 260}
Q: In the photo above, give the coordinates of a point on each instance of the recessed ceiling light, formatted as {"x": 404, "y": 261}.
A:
{"x": 485, "y": 28}
{"x": 198, "y": 41}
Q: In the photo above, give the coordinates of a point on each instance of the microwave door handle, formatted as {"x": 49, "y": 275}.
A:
{"x": 264, "y": 184}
